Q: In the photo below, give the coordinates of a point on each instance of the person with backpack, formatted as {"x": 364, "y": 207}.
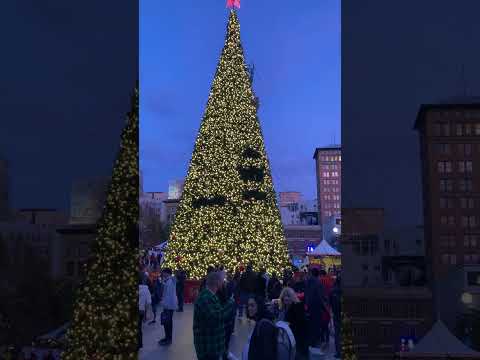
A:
{"x": 267, "y": 340}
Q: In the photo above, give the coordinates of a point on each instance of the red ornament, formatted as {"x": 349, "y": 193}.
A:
{"x": 241, "y": 268}
{"x": 178, "y": 259}
{"x": 233, "y": 3}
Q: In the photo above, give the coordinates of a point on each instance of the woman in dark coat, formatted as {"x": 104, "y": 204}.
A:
{"x": 292, "y": 311}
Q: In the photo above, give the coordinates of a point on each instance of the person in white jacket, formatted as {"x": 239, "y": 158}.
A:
{"x": 144, "y": 301}
{"x": 169, "y": 304}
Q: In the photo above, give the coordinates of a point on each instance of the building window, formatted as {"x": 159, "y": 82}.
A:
{"x": 447, "y": 220}
{"x": 444, "y": 167}
{"x": 446, "y": 129}
{"x": 467, "y": 203}
{"x": 471, "y": 258}
{"x": 447, "y": 241}
{"x": 465, "y": 185}
{"x": 465, "y": 166}
{"x": 477, "y": 129}
{"x": 446, "y": 185}
{"x": 459, "y": 130}
{"x": 465, "y": 149}
{"x": 446, "y": 203}
{"x": 468, "y": 129}
{"x": 470, "y": 240}
{"x": 469, "y": 221}
{"x": 437, "y": 129}
{"x": 443, "y": 149}
{"x": 449, "y": 259}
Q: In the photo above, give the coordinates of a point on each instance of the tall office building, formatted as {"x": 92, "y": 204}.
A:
{"x": 450, "y": 156}
{"x": 329, "y": 169}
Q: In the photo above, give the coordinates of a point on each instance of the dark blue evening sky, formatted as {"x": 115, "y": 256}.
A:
{"x": 296, "y": 51}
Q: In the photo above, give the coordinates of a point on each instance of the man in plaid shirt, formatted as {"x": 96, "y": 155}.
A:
{"x": 208, "y": 320}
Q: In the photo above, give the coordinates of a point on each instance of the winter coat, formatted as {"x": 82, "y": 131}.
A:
{"x": 169, "y": 297}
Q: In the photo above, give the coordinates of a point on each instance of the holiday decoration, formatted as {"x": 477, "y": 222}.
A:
{"x": 348, "y": 348}
{"x": 228, "y": 213}
{"x": 105, "y": 318}
{"x": 233, "y": 3}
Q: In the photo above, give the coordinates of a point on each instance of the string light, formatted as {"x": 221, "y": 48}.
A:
{"x": 228, "y": 212}
{"x": 105, "y": 319}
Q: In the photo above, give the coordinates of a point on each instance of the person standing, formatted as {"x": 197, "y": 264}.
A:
{"x": 181, "y": 277}
{"x": 292, "y": 310}
{"x": 335, "y": 303}
{"x": 208, "y": 320}
{"x": 247, "y": 288}
{"x": 261, "y": 285}
{"x": 315, "y": 301}
{"x": 144, "y": 300}
{"x": 169, "y": 304}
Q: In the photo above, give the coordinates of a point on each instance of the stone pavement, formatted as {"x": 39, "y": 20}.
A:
{"x": 182, "y": 346}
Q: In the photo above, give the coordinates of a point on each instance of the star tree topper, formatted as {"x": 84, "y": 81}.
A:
{"x": 233, "y": 3}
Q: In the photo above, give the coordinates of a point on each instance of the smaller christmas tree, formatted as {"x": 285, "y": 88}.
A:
{"x": 348, "y": 348}
{"x": 105, "y": 318}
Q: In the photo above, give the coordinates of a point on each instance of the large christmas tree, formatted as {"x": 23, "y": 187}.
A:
{"x": 228, "y": 213}
{"x": 105, "y": 318}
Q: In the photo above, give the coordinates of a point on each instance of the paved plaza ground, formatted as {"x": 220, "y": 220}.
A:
{"x": 182, "y": 346}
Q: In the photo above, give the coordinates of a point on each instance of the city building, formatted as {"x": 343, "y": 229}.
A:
{"x": 383, "y": 316}
{"x": 43, "y": 217}
{"x": 175, "y": 189}
{"x": 87, "y": 200}
{"x": 294, "y": 210}
{"x": 385, "y": 292}
{"x": 300, "y": 238}
{"x": 289, "y": 197}
{"x": 70, "y": 249}
{"x": 151, "y": 203}
{"x": 363, "y": 246}
{"x": 449, "y": 135}
{"x": 171, "y": 206}
{"x": 4, "y": 190}
{"x": 329, "y": 171}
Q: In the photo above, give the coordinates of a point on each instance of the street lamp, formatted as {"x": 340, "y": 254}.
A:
{"x": 467, "y": 298}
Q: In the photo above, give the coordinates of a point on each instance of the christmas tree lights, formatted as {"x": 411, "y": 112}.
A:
{"x": 348, "y": 347}
{"x": 228, "y": 213}
{"x": 105, "y": 319}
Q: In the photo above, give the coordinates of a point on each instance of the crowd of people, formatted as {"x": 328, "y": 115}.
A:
{"x": 292, "y": 312}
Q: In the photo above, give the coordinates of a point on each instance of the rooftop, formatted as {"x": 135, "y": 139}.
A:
{"x": 463, "y": 102}
{"x": 327, "y": 148}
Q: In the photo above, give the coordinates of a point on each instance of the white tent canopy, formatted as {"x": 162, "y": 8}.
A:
{"x": 324, "y": 249}
{"x": 440, "y": 341}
